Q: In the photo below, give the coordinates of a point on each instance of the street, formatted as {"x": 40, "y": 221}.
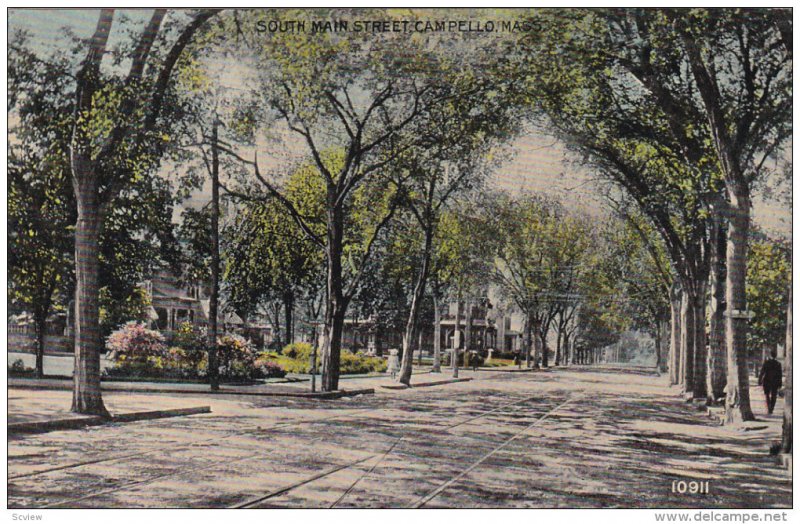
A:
{"x": 562, "y": 438}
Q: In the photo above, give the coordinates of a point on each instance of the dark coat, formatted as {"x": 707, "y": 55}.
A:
{"x": 771, "y": 375}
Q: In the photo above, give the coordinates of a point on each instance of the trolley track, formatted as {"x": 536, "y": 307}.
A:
{"x": 253, "y": 502}
{"x": 204, "y": 442}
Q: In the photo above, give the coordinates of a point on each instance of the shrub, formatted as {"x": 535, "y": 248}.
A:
{"x": 269, "y": 368}
{"x": 298, "y": 351}
{"x": 142, "y": 353}
{"x": 356, "y": 363}
{"x": 133, "y": 342}
{"x": 190, "y": 337}
{"x": 239, "y": 360}
{"x": 296, "y": 358}
{"x": 18, "y": 367}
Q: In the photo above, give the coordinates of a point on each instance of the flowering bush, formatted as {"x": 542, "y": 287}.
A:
{"x": 143, "y": 353}
{"x": 269, "y": 369}
{"x": 190, "y": 345}
{"x": 133, "y": 342}
{"x": 236, "y": 357}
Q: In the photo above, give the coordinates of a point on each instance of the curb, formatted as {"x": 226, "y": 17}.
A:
{"x": 514, "y": 370}
{"x": 82, "y": 422}
{"x": 324, "y": 395}
{"x": 717, "y": 414}
{"x": 427, "y": 384}
{"x": 167, "y": 391}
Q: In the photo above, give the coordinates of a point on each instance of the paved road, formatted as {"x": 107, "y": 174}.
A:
{"x": 57, "y": 365}
{"x": 576, "y": 438}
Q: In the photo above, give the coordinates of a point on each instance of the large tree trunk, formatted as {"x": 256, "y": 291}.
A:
{"x": 786, "y": 441}
{"x": 456, "y": 339}
{"x": 687, "y": 341}
{"x": 86, "y": 395}
{"x": 40, "y": 323}
{"x": 675, "y": 335}
{"x": 737, "y": 401}
{"x": 411, "y": 334}
{"x": 700, "y": 350}
{"x": 536, "y": 351}
{"x": 467, "y": 332}
{"x": 288, "y": 315}
{"x": 437, "y": 334}
{"x": 336, "y": 306}
{"x": 527, "y": 340}
{"x": 558, "y": 346}
{"x": 213, "y": 302}
{"x": 568, "y": 356}
{"x": 541, "y": 335}
{"x": 659, "y": 357}
{"x": 716, "y": 372}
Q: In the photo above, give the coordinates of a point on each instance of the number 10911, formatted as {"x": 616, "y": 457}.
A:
{"x": 693, "y": 487}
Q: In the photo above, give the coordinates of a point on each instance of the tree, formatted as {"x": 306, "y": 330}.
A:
{"x": 39, "y": 215}
{"x": 642, "y": 275}
{"x": 268, "y": 259}
{"x": 641, "y": 132}
{"x": 540, "y": 260}
{"x": 748, "y": 115}
{"x": 362, "y": 97}
{"x": 768, "y": 268}
{"x": 42, "y": 209}
{"x": 786, "y": 440}
{"x": 461, "y": 263}
{"x": 116, "y": 137}
{"x": 449, "y": 159}
{"x": 39, "y": 219}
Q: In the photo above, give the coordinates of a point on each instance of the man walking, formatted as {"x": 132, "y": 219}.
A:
{"x": 771, "y": 378}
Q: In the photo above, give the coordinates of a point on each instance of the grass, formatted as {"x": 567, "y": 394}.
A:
{"x": 349, "y": 365}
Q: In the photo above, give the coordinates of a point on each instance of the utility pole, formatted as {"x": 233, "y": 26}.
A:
{"x": 213, "y": 302}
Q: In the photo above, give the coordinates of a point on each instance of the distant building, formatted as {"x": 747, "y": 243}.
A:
{"x": 492, "y": 329}
{"x": 174, "y": 302}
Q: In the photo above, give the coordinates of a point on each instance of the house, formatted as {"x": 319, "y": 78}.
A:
{"x": 174, "y": 302}
{"x": 492, "y": 328}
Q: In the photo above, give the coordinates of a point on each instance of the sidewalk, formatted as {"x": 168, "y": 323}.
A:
{"x": 348, "y": 385}
{"x": 37, "y": 410}
{"x": 764, "y": 421}
{"x": 301, "y": 389}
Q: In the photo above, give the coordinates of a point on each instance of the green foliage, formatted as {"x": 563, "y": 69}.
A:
{"x": 138, "y": 230}
{"x": 768, "y": 279}
{"x": 19, "y": 369}
{"x": 115, "y": 312}
{"x": 296, "y": 358}
{"x": 142, "y": 353}
{"x": 41, "y": 211}
{"x": 541, "y": 254}
{"x": 297, "y": 351}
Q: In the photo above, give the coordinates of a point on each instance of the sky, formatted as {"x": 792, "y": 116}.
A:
{"x": 534, "y": 162}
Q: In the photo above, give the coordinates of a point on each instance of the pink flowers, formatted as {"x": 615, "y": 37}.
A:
{"x": 133, "y": 342}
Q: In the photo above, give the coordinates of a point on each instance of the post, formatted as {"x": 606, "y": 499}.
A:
{"x": 437, "y": 333}
{"x": 213, "y": 370}
{"x": 314, "y": 367}
{"x": 456, "y": 340}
